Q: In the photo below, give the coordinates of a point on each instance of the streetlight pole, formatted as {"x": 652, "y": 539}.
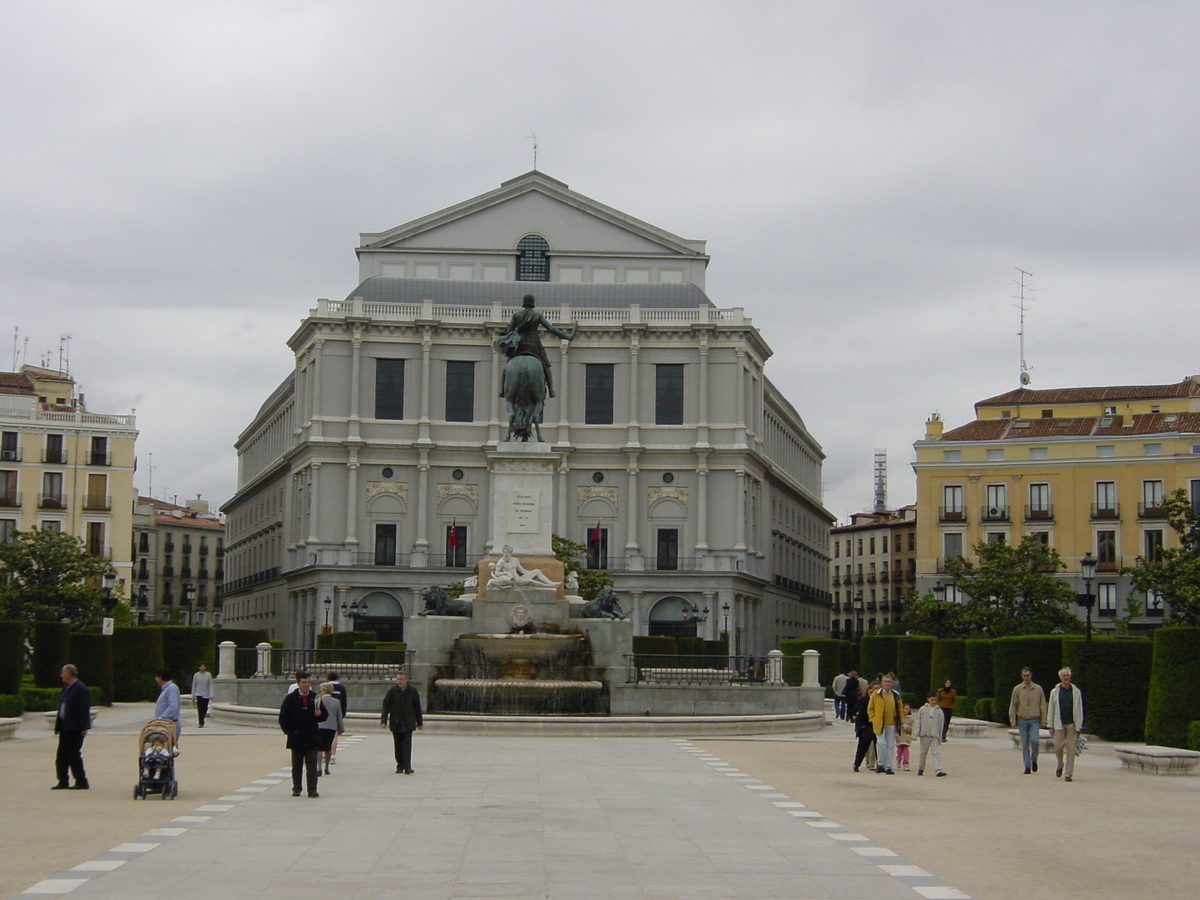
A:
{"x": 328, "y": 606}
{"x": 858, "y": 628}
{"x": 1087, "y": 598}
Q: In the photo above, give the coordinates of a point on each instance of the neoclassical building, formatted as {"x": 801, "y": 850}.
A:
{"x": 364, "y": 477}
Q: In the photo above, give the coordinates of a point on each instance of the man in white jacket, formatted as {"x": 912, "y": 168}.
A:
{"x": 1064, "y": 718}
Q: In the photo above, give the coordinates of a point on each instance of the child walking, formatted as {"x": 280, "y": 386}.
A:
{"x": 904, "y": 738}
{"x": 929, "y": 732}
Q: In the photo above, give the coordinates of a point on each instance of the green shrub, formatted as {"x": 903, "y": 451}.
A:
{"x": 12, "y": 655}
{"x": 390, "y": 653}
{"x": 344, "y": 640}
{"x": 983, "y": 709}
{"x": 964, "y": 707}
{"x": 691, "y": 652}
{"x": 949, "y": 661}
{"x": 654, "y": 651}
{"x": 979, "y": 670}
{"x": 184, "y": 647}
{"x": 1193, "y": 736}
{"x": 12, "y": 706}
{"x": 1042, "y": 653}
{"x": 1114, "y": 675}
{"x": 1173, "y": 706}
{"x": 92, "y": 655}
{"x": 51, "y": 643}
{"x": 95, "y": 695}
{"x": 40, "y": 699}
{"x": 914, "y": 658}
{"x": 877, "y": 654}
{"x": 137, "y": 655}
{"x": 828, "y": 667}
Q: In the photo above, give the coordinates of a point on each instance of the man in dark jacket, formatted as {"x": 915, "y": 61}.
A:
{"x": 299, "y": 718}
{"x": 402, "y": 710}
{"x": 71, "y": 725}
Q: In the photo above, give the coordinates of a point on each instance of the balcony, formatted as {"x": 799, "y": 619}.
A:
{"x": 858, "y": 579}
{"x": 91, "y": 501}
{"x": 1108, "y": 565}
{"x": 1151, "y": 511}
{"x": 1039, "y": 513}
{"x": 52, "y": 501}
{"x": 11, "y": 454}
{"x": 10, "y": 501}
{"x": 169, "y": 546}
{"x": 951, "y": 514}
{"x": 994, "y": 513}
{"x": 185, "y": 572}
{"x": 204, "y": 549}
{"x": 836, "y": 579}
{"x": 1106, "y": 510}
{"x": 99, "y": 458}
{"x": 168, "y": 571}
{"x": 55, "y": 457}
{"x": 871, "y": 578}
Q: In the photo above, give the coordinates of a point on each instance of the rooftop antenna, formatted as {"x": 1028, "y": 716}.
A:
{"x": 150, "y": 469}
{"x": 16, "y": 333}
{"x": 880, "y": 479}
{"x": 1025, "y": 379}
{"x": 533, "y": 137}
{"x": 64, "y": 354}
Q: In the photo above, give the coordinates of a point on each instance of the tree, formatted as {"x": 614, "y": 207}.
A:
{"x": 569, "y": 553}
{"x": 50, "y": 577}
{"x": 1010, "y": 590}
{"x": 1174, "y": 573}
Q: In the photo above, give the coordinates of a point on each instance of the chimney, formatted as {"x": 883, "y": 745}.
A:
{"x": 933, "y": 427}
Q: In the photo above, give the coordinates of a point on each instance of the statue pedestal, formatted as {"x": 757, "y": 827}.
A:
{"x": 504, "y": 610}
{"x": 522, "y": 498}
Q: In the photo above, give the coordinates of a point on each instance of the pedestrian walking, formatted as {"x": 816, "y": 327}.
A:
{"x": 839, "y": 699}
{"x": 300, "y": 717}
{"x": 202, "y": 691}
{"x": 904, "y": 738}
{"x": 402, "y": 713}
{"x": 1065, "y": 721}
{"x": 72, "y": 723}
{"x": 853, "y": 689}
{"x": 947, "y": 696}
{"x": 885, "y": 710}
{"x": 1027, "y": 714}
{"x": 167, "y": 704}
{"x": 339, "y": 691}
{"x": 928, "y": 729}
{"x": 862, "y": 727}
{"x": 332, "y": 726}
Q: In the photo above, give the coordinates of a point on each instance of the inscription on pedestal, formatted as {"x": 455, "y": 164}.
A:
{"x": 523, "y": 512}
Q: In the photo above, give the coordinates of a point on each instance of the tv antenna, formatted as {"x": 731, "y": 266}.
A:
{"x": 1024, "y": 285}
{"x": 533, "y": 137}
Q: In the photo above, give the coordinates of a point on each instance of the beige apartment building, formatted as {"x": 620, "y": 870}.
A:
{"x": 873, "y": 570}
{"x": 178, "y": 562}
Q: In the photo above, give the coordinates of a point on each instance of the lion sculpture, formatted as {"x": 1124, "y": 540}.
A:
{"x": 604, "y": 605}
{"x": 439, "y": 603}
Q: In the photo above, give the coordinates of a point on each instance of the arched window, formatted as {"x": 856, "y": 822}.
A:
{"x": 533, "y": 260}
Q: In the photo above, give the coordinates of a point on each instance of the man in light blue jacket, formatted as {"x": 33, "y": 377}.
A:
{"x": 167, "y": 704}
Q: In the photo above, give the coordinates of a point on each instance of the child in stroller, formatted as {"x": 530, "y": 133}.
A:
{"x": 158, "y": 748}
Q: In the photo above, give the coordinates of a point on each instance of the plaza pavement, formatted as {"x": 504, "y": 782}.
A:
{"x": 588, "y": 818}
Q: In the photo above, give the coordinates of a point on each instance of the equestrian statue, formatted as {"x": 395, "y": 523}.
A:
{"x": 526, "y": 380}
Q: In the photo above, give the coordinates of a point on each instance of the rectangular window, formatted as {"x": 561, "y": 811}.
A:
{"x": 460, "y": 391}
{"x": 99, "y": 455}
{"x": 912, "y": 541}
{"x": 668, "y": 394}
{"x": 1039, "y": 452}
{"x": 1042, "y": 537}
{"x": 872, "y": 545}
{"x": 1039, "y": 501}
{"x": 1153, "y": 542}
{"x": 1106, "y": 549}
{"x": 1152, "y": 497}
{"x": 597, "y": 544}
{"x": 144, "y": 542}
{"x": 52, "y": 491}
{"x": 54, "y": 450}
{"x": 95, "y": 538}
{"x": 389, "y": 389}
{"x": 951, "y": 456}
{"x": 668, "y": 548}
{"x": 1106, "y": 450}
{"x": 456, "y": 545}
{"x": 598, "y": 394}
{"x": 1154, "y": 603}
{"x": 995, "y": 455}
{"x": 7, "y": 527}
{"x": 1106, "y": 498}
{"x": 996, "y": 501}
{"x": 1152, "y": 449}
{"x": 952, "y": 544}
{"x": 385, "y": 544}
{"x": 1106, "y": 599}
{"x": 8, "y": 489}
{"x": 97, "y": 487}
{"x": 952, "y": 501}
{"x": 8, "y": 446}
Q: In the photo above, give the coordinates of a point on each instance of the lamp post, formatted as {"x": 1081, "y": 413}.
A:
{"x": 1087, "y": 598}
{"x": 694, "y": 615}
{"x": 328, "y": 606}
{"x": 858, "y": 625}
{"x": 354, "y": 610}
{"x": 189, "y": 597}
{"x": 108, "y": 601}
{"x": 939, "y": 611}
{"x": 143, "y": 603}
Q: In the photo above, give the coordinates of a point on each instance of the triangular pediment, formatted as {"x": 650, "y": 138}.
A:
{"x": 532, "y": 203}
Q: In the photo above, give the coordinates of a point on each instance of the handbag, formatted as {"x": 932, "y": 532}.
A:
{"x": 1080, "y": 743}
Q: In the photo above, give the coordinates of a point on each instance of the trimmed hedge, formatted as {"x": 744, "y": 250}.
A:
{"x": 1172, "y": 705}
{"x": 343, "y": 640}
{"x": 964, "y": 707}
{"x": 92, "y": 655}
{"x": 914, "y": 658}
{"x": 646, "y": 646}
{"x": 12, "y": 706}
{"x": 984, "y": 707}
{"x": 1194, "y": 735}
{"x": 1043, "y": 653}
{"x": 979, "y": 670}
{"x": 137, "y": 654}
{"x": 12, "y": 656}
{"x": 51, "y": 651}
{"x": 1114, "y": 675}
{"x": 184, "y": 647}
{"x": 949, "y": 661}
{"x": 40, "y": 699}
{"x": 828, "y": 667}
{"x": 877, "y": 653}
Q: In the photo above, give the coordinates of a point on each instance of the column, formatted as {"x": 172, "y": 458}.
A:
{"x": 634, "y": 504}
{"x": 739, "y": 511}
{"x": 318, "y": 353}
{"x": 562, "y": 385}
{"x": 352, "y": 489}
{"x": 702, "y": 424}
{"x": 421, "y": 546}
{"x": 426, "y": 348}
{"x": 355, "y": 378}
{"x": 634, "y": 351}
{"x": 702, "y": 504}
{"x": 499, "y": 416}
{"x": 314, "y": 485}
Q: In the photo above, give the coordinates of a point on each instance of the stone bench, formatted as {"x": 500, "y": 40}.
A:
{"x": 1159, "y": 760}
{"x": 1044, "y": 740}
{"x": 52, "y": 715}
{"x": 8, "y": 728}
{"x": 967, "y": 728}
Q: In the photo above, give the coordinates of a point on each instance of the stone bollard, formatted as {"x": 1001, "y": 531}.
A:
{"x": 226, "y": 665}
{"x": 811, "y": 660}
{"x": 775, "y": 667}
{"x": 264, "y": 660}
{"x": 812, "y": 695}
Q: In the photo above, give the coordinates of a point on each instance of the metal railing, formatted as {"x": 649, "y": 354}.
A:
{"x": 353, "y": 665}
{"x": 648, "y": 668}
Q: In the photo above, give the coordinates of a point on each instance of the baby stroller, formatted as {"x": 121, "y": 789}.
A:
{"x": 157, "y": 749}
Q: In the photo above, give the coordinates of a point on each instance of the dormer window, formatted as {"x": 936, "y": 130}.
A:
{"x": 533, "y": 258}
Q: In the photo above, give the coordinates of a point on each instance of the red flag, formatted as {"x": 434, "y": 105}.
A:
{"x": 594, "y": 535}
{"x": 453, "y": 542}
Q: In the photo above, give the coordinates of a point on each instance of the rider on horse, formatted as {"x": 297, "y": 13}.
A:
{"x": 522, "y": 338}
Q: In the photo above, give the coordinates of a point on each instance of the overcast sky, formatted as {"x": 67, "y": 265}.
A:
{"x": 183, "y": 180}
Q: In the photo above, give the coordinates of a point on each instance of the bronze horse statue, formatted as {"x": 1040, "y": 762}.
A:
{"x": 524, "y": 390}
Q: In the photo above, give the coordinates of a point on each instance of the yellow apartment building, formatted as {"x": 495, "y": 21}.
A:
{"x": 65, "y": 468}
{"x": 1085, "y": 469}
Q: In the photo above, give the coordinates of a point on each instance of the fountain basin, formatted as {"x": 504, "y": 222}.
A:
{"x": 535, "y": 648}
{"x": 508, "y": 696}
